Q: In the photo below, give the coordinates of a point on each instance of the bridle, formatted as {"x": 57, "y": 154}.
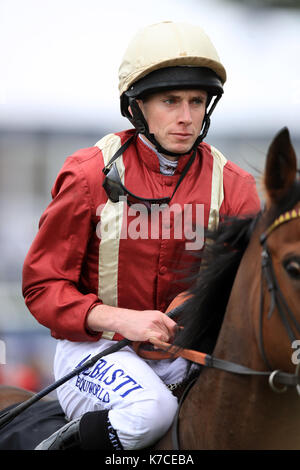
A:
{"x": 286, "y": 315}
{"x": 277, "y": 298}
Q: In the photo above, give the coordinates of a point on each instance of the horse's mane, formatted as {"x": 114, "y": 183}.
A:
{"x": 220, "y": 259}
{"x": 204, "y": 311}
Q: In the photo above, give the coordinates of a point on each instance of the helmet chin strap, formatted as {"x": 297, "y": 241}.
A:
{"x": 139, "y": 122}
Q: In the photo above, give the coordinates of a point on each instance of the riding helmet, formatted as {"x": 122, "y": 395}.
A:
{"x": 168, "y": 56}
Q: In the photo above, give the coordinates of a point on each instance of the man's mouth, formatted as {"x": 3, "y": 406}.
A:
{"x": 182, "y": 135}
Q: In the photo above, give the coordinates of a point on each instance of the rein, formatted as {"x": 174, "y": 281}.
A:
{"x": 285, "y": 378}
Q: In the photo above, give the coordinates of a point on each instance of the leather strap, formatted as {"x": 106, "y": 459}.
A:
{"x": 175, "y": 427}
{"x": 206, "y": 360}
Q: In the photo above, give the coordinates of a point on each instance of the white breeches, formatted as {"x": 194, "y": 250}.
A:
{"x": 141, "y": 407}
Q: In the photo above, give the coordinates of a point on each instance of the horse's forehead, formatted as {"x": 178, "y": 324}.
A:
{"x": 286, "y": 235}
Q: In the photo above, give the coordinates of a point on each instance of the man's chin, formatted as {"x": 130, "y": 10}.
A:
{"x": 179, "y": 148}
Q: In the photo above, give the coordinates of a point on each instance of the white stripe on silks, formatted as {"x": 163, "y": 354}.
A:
{"x": 217, "y": 191}
{"x": 111, "y": 219}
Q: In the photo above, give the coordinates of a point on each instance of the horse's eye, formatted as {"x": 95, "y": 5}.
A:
{"x": 292, "y": 267}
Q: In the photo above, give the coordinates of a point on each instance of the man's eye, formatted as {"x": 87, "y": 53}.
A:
{"x": 198, "y": 101}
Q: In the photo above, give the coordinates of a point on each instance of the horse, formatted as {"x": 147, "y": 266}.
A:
{"x": 253, "y": 268}
{"x": 244, "y": 309}
{"x": 9, "y": 395}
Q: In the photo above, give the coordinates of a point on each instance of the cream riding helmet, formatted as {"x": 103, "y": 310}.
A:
{"x": 167, "y": 56}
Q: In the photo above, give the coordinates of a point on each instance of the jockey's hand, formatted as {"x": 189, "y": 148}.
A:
{"x": 132, "y": 324}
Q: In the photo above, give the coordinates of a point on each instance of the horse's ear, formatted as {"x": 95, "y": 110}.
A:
{"x": 281, "y": 167}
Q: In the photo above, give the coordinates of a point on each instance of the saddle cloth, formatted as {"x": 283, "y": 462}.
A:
{"x": 32, "y": 426}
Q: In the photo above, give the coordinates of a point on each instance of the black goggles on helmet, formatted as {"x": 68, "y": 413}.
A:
{"x": 115, "y": 189}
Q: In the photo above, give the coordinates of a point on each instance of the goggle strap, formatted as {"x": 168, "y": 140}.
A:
{"x": 126, "y": 145}
{"x": 118, "y": 153}
{"x": 185, "y": 170}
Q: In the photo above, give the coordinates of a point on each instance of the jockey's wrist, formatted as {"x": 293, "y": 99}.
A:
{"x": 87, "y": 324}
{"x": 102, "y": 318}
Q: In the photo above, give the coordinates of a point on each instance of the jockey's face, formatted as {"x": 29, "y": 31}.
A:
{"x": 175, "y": 117}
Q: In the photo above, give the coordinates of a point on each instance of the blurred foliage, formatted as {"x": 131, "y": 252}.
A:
{"x": 268, "y": 3}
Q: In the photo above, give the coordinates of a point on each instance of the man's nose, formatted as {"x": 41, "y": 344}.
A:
{"x": 185, "y": 115}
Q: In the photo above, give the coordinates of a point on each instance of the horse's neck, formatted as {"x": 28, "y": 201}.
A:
{"x": 238, "y": 338}
{"x": 229, "y": 411}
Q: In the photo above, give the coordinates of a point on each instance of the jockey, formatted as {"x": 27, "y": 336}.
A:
{"x": 109, "y": 255}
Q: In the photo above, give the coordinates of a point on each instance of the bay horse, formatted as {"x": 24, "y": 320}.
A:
{"x": 252, "y": 268}
{"x": 244, "y": 309}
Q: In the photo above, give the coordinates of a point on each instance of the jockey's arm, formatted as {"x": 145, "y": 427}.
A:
{"x": 132, "y": 324}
